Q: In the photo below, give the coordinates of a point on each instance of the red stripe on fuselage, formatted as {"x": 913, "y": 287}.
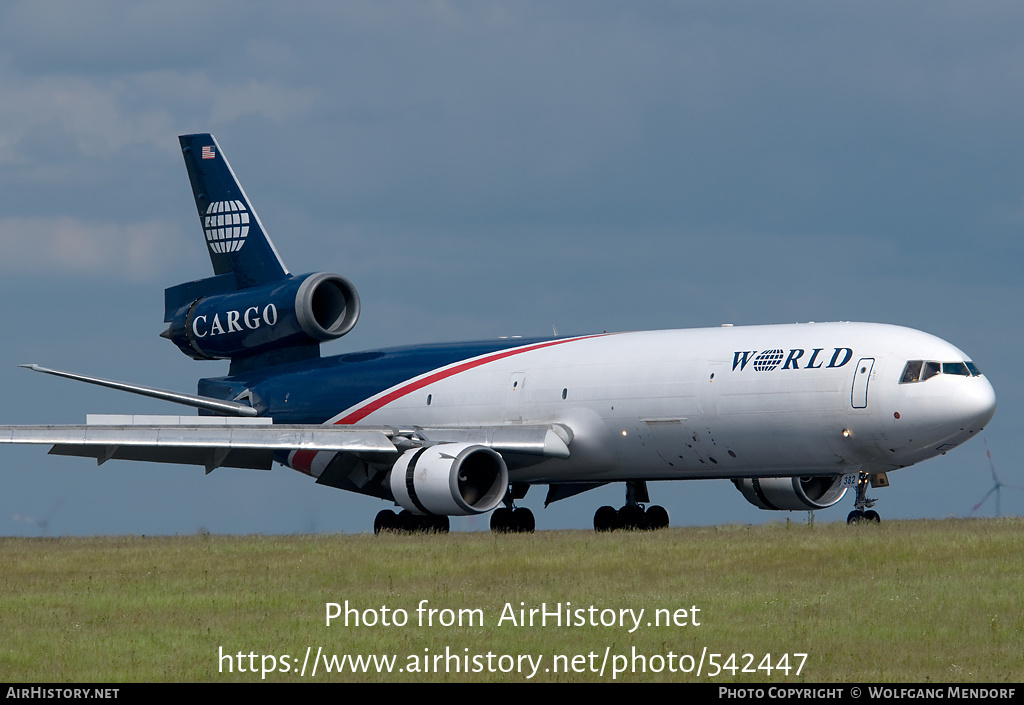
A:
{"x": 302, "y": 460}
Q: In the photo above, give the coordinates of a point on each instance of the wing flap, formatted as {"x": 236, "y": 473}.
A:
{"x": 210, "y": 458}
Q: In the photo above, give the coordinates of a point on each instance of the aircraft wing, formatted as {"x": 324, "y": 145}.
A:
{"x": 213, "y": 442}
{"x": 197, "y": 440}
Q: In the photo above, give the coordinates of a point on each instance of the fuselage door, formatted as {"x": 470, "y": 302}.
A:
{"x": 861, "y": 377}
{"x": 514, "y": 397}
{"x": 710, "y": 388}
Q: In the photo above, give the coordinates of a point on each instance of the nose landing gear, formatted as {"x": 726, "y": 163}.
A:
{"x": 862, "y": 506}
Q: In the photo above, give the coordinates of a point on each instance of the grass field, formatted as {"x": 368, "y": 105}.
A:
{"x": 921, "y": 601}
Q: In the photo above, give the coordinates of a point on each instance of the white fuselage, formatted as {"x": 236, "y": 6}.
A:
{"x": 729, "y": 402}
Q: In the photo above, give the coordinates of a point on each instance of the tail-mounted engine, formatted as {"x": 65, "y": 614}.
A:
{"x": 452, "y": 479}
{"x": 791, "y": 493}
{"x": 208, "y": 323}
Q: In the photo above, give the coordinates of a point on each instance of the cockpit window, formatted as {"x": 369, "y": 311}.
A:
{"x": 912, "y": 372}
{"x": 920, "y": 370}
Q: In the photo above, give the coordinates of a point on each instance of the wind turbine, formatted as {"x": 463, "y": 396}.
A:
{"x": 997, "y": 486}
{"x": 43, "y": 523}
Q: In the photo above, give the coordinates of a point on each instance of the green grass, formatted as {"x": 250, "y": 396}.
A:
{"x": 923, "y": 601}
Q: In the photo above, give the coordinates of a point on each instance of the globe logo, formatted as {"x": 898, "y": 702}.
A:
{"x": 226, "y": 224}
{"x": 768, "y": 360}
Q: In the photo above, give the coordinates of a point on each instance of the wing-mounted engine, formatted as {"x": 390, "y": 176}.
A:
{"x": 791, "y": 493}
{"x": 210, "y": 320}
{"x": 453, "y": 479}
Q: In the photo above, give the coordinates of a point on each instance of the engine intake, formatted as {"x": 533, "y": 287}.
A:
{"x": 451, "y": 479}
{"x": 327, "y": 306}
{"x": 791, "y": 493}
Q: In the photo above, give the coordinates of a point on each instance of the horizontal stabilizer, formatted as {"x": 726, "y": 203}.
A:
{"x": 219, "y": 406}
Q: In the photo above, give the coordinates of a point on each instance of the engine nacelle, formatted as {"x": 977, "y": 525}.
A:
{"x": 791, "y": 493}
{"x": 450, "y": 479}
{"x": 302, "y": 310}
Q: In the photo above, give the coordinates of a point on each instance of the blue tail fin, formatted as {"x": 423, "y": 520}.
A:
{"x": 235, "y": 237}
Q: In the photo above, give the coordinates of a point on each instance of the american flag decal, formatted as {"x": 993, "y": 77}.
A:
{"x": 208, "y": 152}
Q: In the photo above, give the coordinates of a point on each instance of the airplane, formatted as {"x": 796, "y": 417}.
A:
{"x": 793, "y": 415}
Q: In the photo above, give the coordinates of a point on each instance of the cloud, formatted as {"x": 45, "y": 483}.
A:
{"x": 87, "y": 113}
{"x": 61, "y": 244}
{"x": 100, "y": 117}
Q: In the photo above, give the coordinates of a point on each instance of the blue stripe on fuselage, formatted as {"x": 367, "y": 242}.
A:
{"x": 313, "y": 391}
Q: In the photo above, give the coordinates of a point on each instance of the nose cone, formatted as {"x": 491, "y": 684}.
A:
{"x": 974, "y": 402}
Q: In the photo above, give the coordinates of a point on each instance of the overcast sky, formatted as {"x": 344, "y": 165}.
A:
{"x": 481, "y": 169}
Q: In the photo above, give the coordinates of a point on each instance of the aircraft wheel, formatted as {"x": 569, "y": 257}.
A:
{"x": 656, "y": 517}
{"x": 605, "y": 519}
{"x": 523, "y": 521}
{"x": 386, "y": 520}
{"x": 872, "y": 516}
{"x": 855, "y": 517}
{"x": 413, "y": 523}
{"x": 501, "y": 520}
{"x": 630, "y": 517}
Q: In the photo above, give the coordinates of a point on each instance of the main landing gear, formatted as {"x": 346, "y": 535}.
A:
{"x": 510, "y": 519}
{"x": 863, "y": 511}
{"x": 407, "y": 522}
{"x": 517, "y": 520}
{"x": 632, "y": 516}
